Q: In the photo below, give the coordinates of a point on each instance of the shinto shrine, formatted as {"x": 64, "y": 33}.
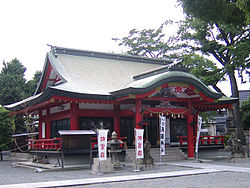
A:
{"x": 86, "y": 90}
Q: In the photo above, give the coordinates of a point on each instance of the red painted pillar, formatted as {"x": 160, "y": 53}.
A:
{"x": 117, "y": 124}
{"x": 190, "y": 132}
{"x": 74, "y": 118}
{"x": 47, "y": 123}
{"x": 138, "y": 114}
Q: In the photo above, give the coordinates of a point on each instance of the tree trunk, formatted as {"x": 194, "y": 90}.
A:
{"x": 236, "y": 109}
{"x": 1, "y": 155}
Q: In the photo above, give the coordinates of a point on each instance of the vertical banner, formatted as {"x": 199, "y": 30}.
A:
{"x": 198, "y": 133}
{"x": 162, "y": 134}
{"x": 139, "y": 143}
{"x": 102, "y": 144}
{"x": 168, "y": 131}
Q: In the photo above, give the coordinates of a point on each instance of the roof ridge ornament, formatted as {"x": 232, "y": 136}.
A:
{"x": 53, "y": 50}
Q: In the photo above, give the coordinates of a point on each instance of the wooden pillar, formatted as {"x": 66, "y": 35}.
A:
{"x": 190, "y": 132}
{"x": 74, "y": 117}
{"x": 117, "y": 124}
{"x": 138, "y": 114}
{"x": 48, "y": 123}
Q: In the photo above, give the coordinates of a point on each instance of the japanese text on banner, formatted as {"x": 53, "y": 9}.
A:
{"x": 162, "y": 134}
{"x": 102, "y": 144}
{"x": 139, "y": 143}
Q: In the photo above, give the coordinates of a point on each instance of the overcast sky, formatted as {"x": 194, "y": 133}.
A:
{"x": 27, "y": 26}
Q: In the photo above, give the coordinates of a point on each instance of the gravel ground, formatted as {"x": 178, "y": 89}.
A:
{"x": 220, "y": 179}
{"x": 11, "y": 175}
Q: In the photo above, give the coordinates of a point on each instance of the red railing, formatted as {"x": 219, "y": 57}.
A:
{"x": 45, "y": 144}
{"x": 204, "y": 140}
{"x": 55, "y": 144}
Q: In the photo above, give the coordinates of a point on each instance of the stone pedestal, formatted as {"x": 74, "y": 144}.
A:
{"x": 102, "y": 166}
{"x": 115, "y": 158}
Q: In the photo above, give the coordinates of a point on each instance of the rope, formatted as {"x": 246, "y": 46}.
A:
{"x": 164, "y": 111}
{"x": 18, "y": 148}
{"x": 6, "y": 143}
{"x": 18, "y": 145}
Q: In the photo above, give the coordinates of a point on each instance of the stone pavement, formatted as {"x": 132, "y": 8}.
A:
{"x": 211, "y": 164}
{"x": 78, "y": 182}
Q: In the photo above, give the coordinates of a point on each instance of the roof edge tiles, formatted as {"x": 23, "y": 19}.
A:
{"x": 76, "y": 52}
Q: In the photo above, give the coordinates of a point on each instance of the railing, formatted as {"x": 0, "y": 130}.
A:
{"x": 45, "y": 144}
{"x": 56, "y": 143}
{"x": 204, "y": 140}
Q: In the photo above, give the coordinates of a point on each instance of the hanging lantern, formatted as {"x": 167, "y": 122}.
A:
{"x": 151, "y": 114}
{"x": 182, "y": 115}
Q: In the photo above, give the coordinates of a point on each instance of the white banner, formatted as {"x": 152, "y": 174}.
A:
{"x": 198, "y": 133}
{"x": 139, "y": 143}
{"x": 102, "y": 144}
{"x": 162, "y": 134}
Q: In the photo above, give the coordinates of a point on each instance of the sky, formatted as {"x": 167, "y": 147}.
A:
{"x": 27, "y": 26}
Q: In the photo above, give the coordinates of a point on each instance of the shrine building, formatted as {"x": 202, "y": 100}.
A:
{"x": 86, "y": 90}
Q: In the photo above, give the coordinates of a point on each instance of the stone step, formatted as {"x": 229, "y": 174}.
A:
{"x": 172, "y": 154}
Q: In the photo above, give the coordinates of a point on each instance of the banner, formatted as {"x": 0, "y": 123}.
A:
{"x": 102, "y": 144}
{"x": 198, "y": 133}
{"x": 162, "y": 134}
{"x": 139, "y": 143}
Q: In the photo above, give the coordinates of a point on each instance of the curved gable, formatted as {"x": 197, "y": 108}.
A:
{"x": 176, "y": 83}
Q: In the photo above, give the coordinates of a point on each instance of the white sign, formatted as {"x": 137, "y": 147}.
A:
{"x": 139, "y": 143}
{"x": 162, "y": 134}
{"x": 198, "y": 133}
{"x": 102, "y": 144}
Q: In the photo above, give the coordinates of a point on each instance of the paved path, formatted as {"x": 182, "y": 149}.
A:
{"x": 78, "y": 182}
{"x": 188, "y": 168}
{"x": 211, "y": 166}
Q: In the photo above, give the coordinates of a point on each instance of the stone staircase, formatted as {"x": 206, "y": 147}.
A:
{"x": 172, "y": 154}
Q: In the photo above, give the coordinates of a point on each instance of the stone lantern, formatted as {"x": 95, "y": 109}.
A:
{"x": 114, "y": 149}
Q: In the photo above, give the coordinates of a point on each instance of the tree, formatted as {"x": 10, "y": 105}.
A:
{"x": 13, "y": 88}
{"x": 245, "y": 113}
{"x": 7, "y": 128}
{"x": 218, "y": 28}
{"x": 12, "y": 82}
{"x": 32, "y": 84}
{"x": 153, "y": 43}
{"x": 146, "y": 43}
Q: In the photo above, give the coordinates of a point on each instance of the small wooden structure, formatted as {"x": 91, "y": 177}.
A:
{"x": 76, "y": 145}
{"x": 73, "y": 147}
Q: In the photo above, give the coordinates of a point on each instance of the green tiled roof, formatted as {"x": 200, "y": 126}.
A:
{"x": 146, "y": 84}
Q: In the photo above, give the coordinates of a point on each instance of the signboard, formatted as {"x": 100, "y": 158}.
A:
{"x": 198, "y": 133}
{"x": 139, "y": 143}
{"x": 102, "y": 144}
{"x": 162, "y": 134}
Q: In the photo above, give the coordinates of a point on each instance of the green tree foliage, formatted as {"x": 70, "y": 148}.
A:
{"x": 12, "y": 82}
{"x": 245, "y": 113}
{"x": 204, "y": 69}
{"x": 14, "y": 88}
{"x": 7, "y": 128}
{"x": 218, "y": 28}
{"x": 32, "y": 84}
{"x": 146, "y": 43}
